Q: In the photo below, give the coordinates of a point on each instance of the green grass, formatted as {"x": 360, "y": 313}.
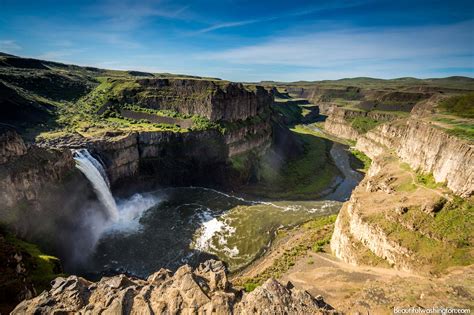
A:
{"x": 318, "y": 247}
{"x": 438, "y": 242}
{"x": 460, "y": 128}
{"x": 359, "y": 161}
{"x": 459, "y": 105}
{"x": 250, "y": 286}
{"x": 300, "y": 178}
{"x": 363, "y": 124}
{"x": 466, "y": 133}
{"x": 317, "y": 231}
{"x": 427, "y": 180}
{"x": 42, "y": 268}
{"x": 424, "y": 179}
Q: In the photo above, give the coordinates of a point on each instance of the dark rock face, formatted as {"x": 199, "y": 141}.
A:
{"x": 215, "y": 100}
{"x": 11, "y": 145}
{"x": 15, "y": 285}
{"x": 204, "y": 290}
{"x": 28, "y": 172}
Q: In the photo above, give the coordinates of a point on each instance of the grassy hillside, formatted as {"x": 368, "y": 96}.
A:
{"x": 44, "y": 99}
{"x": 456, "y": 82}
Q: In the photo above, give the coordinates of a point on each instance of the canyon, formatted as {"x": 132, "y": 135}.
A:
{"x": 357, "y": 177}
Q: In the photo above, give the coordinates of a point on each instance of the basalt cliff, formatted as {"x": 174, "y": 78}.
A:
{"x": 403, "y": 211}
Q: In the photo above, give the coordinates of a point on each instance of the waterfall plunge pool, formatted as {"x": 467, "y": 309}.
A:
{"x": 169, "y": 227}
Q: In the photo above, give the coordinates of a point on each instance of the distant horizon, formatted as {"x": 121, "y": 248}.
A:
{"x": 223, "y": 79}
{"x": 247, "y": 41}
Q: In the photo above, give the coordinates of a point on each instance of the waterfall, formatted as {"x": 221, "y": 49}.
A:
{"x": 95, "y": 173}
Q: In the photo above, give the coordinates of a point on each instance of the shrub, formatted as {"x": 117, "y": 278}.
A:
{"x": 250, "y": 286}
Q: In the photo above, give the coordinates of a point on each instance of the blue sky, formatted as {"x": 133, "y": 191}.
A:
{"x": 248, "y": 40}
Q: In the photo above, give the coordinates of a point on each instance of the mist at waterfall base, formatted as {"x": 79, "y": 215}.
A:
{"x": 94, "y": 223}
{"x": 108, "y": 216}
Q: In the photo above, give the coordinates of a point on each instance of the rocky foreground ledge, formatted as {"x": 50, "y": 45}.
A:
{"x": 204, "y": 290}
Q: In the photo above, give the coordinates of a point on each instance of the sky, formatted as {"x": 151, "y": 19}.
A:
{"x": 248, "y": 40}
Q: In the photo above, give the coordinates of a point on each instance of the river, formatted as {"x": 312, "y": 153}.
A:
{"x": 191, "y": 224}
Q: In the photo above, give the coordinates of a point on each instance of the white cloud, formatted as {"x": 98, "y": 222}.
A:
{"x": 128, "y": 15}
{"x": 228, "y": 25}
{"x": 9, "y": 46}
{"x": 59, "y": 55}
{"x": 364, "y": 46}
{"x": 329, "y": 5}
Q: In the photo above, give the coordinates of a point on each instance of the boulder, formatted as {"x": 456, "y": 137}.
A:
{"x": 205, "y": 290}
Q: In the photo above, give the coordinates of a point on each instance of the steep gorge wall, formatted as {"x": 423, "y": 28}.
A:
{"x": 416, "y": 142}
{"x": 25, "y": 172}
{"x": 216, "y": 100}
{"x": 339, "y": 121}
{"x": 354, "y": 232}
{"x": 448, "y": 158}
{"x": 185, "y": 156}
{"x": 427, "y": 149}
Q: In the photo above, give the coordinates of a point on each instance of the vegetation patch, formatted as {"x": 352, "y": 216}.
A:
{"x": 461, "y": 128}
{"x": 363, "y": 124}
{"x": 300, "y": 178}
{"x": 420, "y": 178}
{"x": 459, "y": 105}
{"x": 437, "y": 241}
{"x": 359, "y": 161}
{"x": 41, "y": 268}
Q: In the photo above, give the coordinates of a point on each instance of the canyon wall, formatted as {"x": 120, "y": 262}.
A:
{"x": 423, "y": 146}
{"x": 382, "y": 223}
{"x": 339, "y": 121}
{"x": 25, "y": 172}
{"x": 195, "y": 157}
{"x": 216, "y": 100}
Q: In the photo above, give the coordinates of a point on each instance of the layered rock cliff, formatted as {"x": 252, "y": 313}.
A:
{"x": 427, "y": 149}
{"x": 216, "y": 100}
{"x": 417, "y": 142}
{"x": 27, "y": 172}
{"x": 204, "y": 290}
{"x": 403, "y": 210}
{"x": 395, "y": 220}
{"x": 339, "y": 121}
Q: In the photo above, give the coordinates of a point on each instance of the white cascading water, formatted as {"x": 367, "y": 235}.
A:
{"x": 95, "y": 173}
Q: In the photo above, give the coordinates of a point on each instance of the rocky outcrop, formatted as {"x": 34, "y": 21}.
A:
{"x": 371, "y": 236}
{"x": 337, "y": 124}
{"x": 216, "y": 100}
{"x": 364, "y": 231}
{"x": 16, "y": 285}
{"x": 26, "y": 177}
{"x": 11, "y": 145}
{"x": 204, "y": 290}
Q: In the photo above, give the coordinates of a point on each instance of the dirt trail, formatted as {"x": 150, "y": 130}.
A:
{"x": 375, "y": 290}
